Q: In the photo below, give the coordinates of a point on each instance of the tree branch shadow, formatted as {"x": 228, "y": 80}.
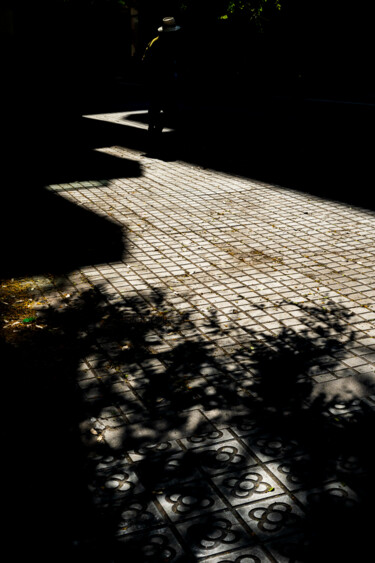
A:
{"x": 137, "y": 421}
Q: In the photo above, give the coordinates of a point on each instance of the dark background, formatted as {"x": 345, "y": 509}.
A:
{"x": 70, "y": 52}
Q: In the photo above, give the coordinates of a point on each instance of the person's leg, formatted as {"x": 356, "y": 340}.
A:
{"x": 155, "y": 118}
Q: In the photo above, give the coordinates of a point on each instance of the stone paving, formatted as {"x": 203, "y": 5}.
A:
{"x": 227, "y": 387}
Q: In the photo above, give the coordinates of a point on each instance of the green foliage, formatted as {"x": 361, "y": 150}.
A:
{"x": 254, "y": 10}
{"x": 250, "y": 10}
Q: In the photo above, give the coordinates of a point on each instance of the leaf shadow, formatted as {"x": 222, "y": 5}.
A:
{"x": 144, "y": 417}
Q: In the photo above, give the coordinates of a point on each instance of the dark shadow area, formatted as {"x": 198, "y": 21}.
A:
{"x": 70, "y": 163}
{"x": 322, "y": 148}
{"x": 45, "y": 233}
{"x": 97, "y": 456}
{"x": 41, "y": 230}
{"x": 48, "y": 79}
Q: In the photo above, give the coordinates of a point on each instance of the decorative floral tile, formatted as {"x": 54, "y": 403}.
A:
{"x": 135, "y": 514}
{"x": 151, "y": 546}
{"x": 336, "y": 494}
{"x": 251, "y": 554}
{"x": 186, "y": 500}
{"x": 294, "y": 549}
{"x": 302, "y": 471}
{"x": 216, "y": 533}
{"x": 112, "y": 481}
{"x": 151, "y": 449}
{"x": 247, "y": 485}
{"x": 268, "y": 447}
{"x": 246, "y": 427}
{"x": 223, "y": 456}
{"x": 164, "y": 469}
{"x": 207, "y": 439}
{"x": 272, "y": 517}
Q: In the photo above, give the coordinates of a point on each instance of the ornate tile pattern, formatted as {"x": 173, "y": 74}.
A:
{"x": 155, "y": 546}
{"x": 251, "y": 554}
{"x": 296, "y": 473}
{"x": 247, "y": 485}
{"x": 273, "y": 517}
{"x": 219, "y": 532}
{"x": 186, "y": 500}
{"x": 224, "y": 456}
{"x": 224, "y": 364}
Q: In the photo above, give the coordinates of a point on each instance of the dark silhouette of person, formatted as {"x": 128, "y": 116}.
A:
{"x": 162, "y": 68}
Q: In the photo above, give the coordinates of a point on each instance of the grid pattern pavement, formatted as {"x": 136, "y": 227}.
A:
{"x": 238, "y": 308}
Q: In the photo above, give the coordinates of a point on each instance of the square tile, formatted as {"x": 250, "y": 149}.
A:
{"x": 294, "y": 549}
{"x": 168, "y": 425}
{"x": 135, "y": 513}
{"x": 350, "y": 465}
{"x": 272, "y": 446}
{"x": 297, "y": 473}
{"x": 111, "y": 484}
{"x": 247, "y": 485}
{"x": 251, "y": 554}
{"x": 216, "y": 533}
{"x": 156, "y": 546}
{"x": 157, "y": 471}
{"x": 223, "y": 456}
{"x": 208, "y": 438}
{"x": 273, "y": 517}
{"x": 185, "y": 500}
{"x": 335, "y": 494}
{"x": 246, "y": 426}
{"x": 148, "y": 450}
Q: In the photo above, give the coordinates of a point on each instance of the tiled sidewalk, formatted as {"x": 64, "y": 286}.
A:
{"x": 227, "y": 384}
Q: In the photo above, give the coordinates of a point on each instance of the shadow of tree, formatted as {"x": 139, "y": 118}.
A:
{"x": 137, "y": 436}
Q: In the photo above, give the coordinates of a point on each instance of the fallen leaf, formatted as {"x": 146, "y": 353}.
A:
{"x": 29, "y": 320}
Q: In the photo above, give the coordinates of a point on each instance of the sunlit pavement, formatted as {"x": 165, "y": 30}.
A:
{"x": 227, "y": 368}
